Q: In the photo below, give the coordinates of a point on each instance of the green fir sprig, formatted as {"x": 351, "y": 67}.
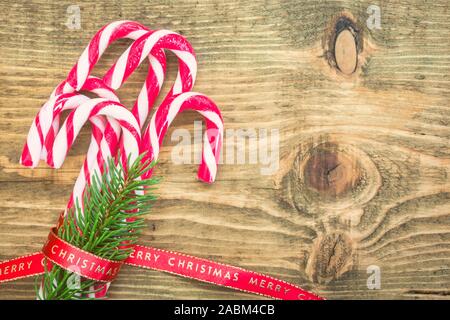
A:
{"x": 113, "y": 209}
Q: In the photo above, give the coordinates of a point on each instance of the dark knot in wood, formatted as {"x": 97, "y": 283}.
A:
{"x": 331, "y": 172}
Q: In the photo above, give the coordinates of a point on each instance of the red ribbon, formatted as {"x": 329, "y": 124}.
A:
{"x": 79, "y": 261}
{"x": 93, "y": 267}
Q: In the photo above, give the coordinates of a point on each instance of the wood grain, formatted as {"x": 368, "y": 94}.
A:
{"x": 364, "y": 168}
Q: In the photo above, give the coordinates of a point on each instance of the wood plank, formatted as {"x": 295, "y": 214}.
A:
{"x": 364, "y": 166}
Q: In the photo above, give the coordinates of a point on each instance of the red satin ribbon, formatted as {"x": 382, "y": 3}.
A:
{"x": 93, "y": 267}
{"x": 79, "y": 261}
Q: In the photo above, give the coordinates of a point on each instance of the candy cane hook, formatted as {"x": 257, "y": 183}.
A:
{"x": 154, "y": 134}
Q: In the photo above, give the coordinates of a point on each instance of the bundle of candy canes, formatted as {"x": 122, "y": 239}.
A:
{"x": 114, "y": 129}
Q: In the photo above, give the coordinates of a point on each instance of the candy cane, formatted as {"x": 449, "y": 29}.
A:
{"x": 154, "y": 134}
{"x": 97, "y": 46}
{"x": 94, "y": 107}
{"x": 71, "y": 101}
{"x": 46, "y": 123}
{"x": 154, "y": 41}
{"x": 43, "y": 123}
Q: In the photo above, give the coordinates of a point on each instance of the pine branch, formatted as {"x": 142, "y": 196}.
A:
{"x": 113, "y": 206}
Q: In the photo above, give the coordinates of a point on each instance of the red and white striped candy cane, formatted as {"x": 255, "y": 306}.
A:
{"x": 154, "y": 41}
{"x": 94, "y": 109}
{"x": 46, "y": 123}
{"x": 97, "y": 46}
{"x": 154, "y": 134}
{"x": 106, "y": 140}
{"x": 98, "y": 125}
{"x": 91, "y": 108}
{"x": 45, "y": 129}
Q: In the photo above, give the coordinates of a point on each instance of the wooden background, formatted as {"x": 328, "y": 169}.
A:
{"x": 364, "y": 167}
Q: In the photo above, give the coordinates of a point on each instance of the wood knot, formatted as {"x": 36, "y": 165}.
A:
{"x": 330, "y": 257}
{"x": 331, "y": 172}
{"x": 345, "y": 52}
{"x": 343, "y": 43}
{"x": 329, "y": 178}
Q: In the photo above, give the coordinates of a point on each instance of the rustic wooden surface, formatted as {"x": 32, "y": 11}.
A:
{"x": 364, "y": 154}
